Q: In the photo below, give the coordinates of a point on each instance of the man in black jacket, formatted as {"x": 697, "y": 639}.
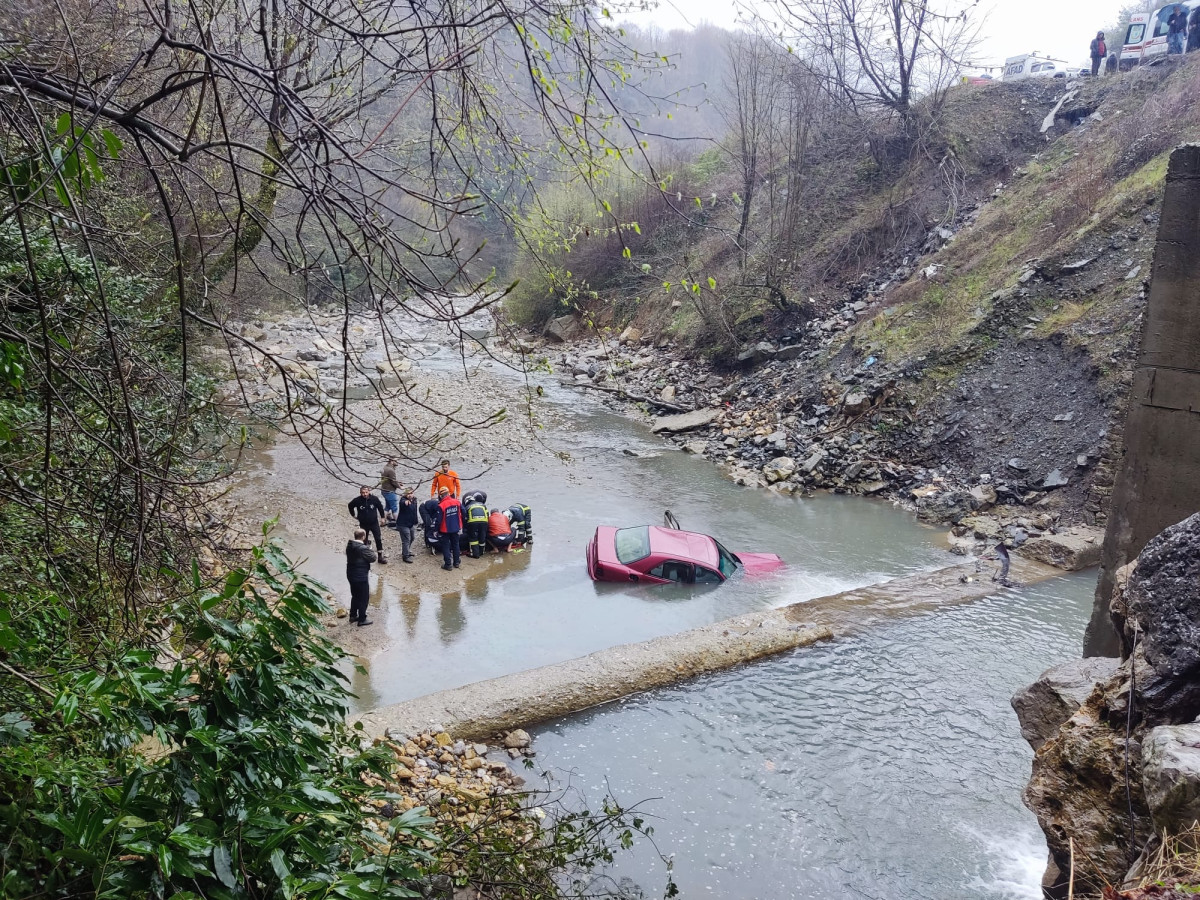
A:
{"x": 359, "y": 557}
{"x": 367, "y": 508}
{"x": 431, "y": 518}
{"x": 406, "y": 521}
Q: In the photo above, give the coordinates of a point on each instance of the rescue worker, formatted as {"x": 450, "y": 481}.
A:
{"x": 477, "y": 525}
{"x": 449, "y": 527}
{"x": 431, "y": 517}
{"x": 500, "y": 534}
{"x": 368, "y": 510}
{"x": 521, "y": 518}
{"x": 445, "y": 477}
{"x": 359, "y": 557}
{"x": 406, "y": 521}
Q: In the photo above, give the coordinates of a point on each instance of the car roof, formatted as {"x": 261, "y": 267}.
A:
{"x": 683, "y": 545}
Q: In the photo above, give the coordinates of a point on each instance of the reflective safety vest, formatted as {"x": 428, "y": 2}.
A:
{"x": 477, "y": 514}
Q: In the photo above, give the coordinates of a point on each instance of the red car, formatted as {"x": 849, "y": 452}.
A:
{"x": 648, "y": 554}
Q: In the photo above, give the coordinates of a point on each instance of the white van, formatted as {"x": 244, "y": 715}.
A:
{"x": 1146, "y": 37}
{"x": 1031, "y": 65}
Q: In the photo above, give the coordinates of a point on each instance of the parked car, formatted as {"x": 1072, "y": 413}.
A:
{"x": 649, "y": 554}
{"x": 1031, "y": 65}
{"x": 1146, "y": 36}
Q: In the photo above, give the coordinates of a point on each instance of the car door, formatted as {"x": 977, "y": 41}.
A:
{"x": 675, "y": 571}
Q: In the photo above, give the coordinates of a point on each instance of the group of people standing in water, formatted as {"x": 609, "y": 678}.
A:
{"x": 452, "y": 523}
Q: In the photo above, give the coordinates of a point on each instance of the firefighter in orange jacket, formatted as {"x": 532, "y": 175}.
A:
{"x": 445, "y": 477}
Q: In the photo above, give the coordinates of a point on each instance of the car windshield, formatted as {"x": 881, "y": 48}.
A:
{"x": 726, "y": 560}
{"x": 632, "y": 544}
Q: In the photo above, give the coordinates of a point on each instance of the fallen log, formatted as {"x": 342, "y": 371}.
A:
{"x": 623, "y": 394}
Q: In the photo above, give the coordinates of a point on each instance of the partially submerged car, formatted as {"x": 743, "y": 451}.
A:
{"x": 649, "y": 554}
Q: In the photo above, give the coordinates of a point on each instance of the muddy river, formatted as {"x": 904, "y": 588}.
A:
{"x": 886, "y": 765}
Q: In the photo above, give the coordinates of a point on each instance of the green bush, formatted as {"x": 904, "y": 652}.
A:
{"x": 227, "y": 773}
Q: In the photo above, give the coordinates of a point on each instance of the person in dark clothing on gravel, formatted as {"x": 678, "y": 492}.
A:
{"x": 1177, "y": 27}
{"x": 389, "y": 486}
{"x": 359, "y": 557}
{"x": 367, "y": 508}
{"x": 431, "y": 517}
{"x": 406, "y": 521}
{"x": 1099, "y": 50}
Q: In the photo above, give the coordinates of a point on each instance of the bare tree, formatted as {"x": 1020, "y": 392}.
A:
{"x": 752, "y": 83}
{"x": 189, "y": 142}
{"x": 884, "y": 55}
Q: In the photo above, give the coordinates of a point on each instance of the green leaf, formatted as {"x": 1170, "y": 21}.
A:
{"x": 223, "y": 865}
{"x": 112, "y": 143}
{"x": 279, "y": 864}
{"x": 712, "y": 283}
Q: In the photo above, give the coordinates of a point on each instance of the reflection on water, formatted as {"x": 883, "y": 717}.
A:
{"x": 886, "y": 765}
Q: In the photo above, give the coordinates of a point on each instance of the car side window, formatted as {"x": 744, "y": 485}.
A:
{"x": 706, "y": 576}
{"x": 673, "y": 570}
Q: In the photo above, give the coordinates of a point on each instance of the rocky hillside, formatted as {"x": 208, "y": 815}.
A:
{"x": 975, "y": 365}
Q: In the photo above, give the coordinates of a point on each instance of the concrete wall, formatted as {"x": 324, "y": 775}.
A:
{"x": 1159, "y": 480}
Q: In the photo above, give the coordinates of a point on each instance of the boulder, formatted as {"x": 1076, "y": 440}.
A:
{"x": 684, "y": 421}
{"x": 517, "y": 740}
{"x": 810, "y": 464}
{"x": 667, "y": 394}
{"x": 312, "y": 355}
{"x": 1171, "y": 775}
{"x": 1163, "y": 603}
{"x": 695, "y": 447}
{"x": 630, "y": 335}
{"x": 946, "y": 506}
{"x": 1055, "y": 479}
{"x": 1071, "y": 550}
{"x": 985, "y": 496}
{"x": 780, "y": 469}
{"x": 856, "y": 403}
{"x": 1044, "y": 706}
{"x": 561, "y": 329}
{"x": 1077, "y": 789}
{"x": 760, "y": 352}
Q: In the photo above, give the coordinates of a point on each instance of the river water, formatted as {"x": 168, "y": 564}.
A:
{"x": 887, "y": 765}
{"x": 884, "y": 765}
{"x": 525, "y": 610}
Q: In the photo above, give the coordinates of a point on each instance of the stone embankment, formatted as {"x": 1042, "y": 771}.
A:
{"x": 1117, "y": 761}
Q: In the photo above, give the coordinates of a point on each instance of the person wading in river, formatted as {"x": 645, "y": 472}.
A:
{"x": 445, "y": 477}
{"x": 450, "y": 528}
{"x": 359, "y": 557}
{"x": 368, "y": 510}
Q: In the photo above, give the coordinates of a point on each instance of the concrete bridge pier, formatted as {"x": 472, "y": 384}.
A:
{"x": 1159, "y": 481}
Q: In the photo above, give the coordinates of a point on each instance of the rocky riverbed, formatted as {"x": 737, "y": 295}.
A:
{"x": 783, "y": 424}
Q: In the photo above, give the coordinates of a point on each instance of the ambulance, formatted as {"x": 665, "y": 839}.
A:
{"x": 1146, "y": 37}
